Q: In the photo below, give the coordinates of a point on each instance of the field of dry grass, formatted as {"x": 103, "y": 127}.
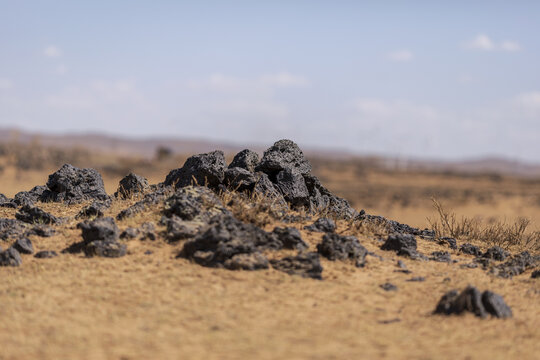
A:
{"x": 144, "y": 306}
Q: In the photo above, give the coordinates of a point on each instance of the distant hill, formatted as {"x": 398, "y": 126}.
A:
{"x": 147, "y": 147}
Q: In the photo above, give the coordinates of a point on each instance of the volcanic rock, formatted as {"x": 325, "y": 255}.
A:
{"x": 105, "y": 248}
{"x": 470, "y": 249}
{"x": 305, "y": 265}
{"x": 46, "y": 254}
{"x": 496, "y": 253}
{"x": 100, "y": 229}
{"x": 283, "y": 155}
{"x": 28, "y": 198}
{"x": 10, "y": 257}
{"x": 441, "y": 256}
{"x": 322, "y": 225}
{"x": 404, "y": 244}
{"x": 470, "y": 299}
{"x": 388, "y": 287}
{"x": 148, "y": 201}
{"x": 203, "y": 169}
{"x": 11, "y": 228}
{"x": 130, "y": 185}
{"x": 35, "y": 215}
{"x": 94, "y": 210}
{"x": 245, "y": 159}
{"x": 41, "y": 230}
{"x": 290, "y": 238}
{"x": 24, "y": 246}
{"x": 339, "y": 247}
{"x": 73, "y": 185}
{"x": 239, "y": 179}
{"x": 516, "y": 265}
{"x": 292, "y": 186}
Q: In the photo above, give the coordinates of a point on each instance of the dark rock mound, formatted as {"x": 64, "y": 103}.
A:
{"x": 321, "y": 199}
{"x": 471, "y": 300}
{"x": 388, "y": 287}
{"x": 203, "y": 169}
{"x": 29, "y": 197}
{"x": 239, "y": 179}
{"x": 393, "y": 226}
{"x": 46, "y": 254}
{"x": 516, "y": 265}
{"x": 441, "y": 256}
{"x": 6, "y": 202}
{"x": 290, "y": 238}
{"x": 147, "y": 231}
{"x": 10, "y": 257}
{"x": 11, "y": 228}
{"x": 322, "y": 225}
{"x": 24, "y": 246}
{"x": 99, "y": 239}
{"x": 130, "y": 185}
{"x": 41, "y": 230}
{"x": 339, "y": 247}
{"x": 404, "y": 244}
{"x": 470, "y": 249}
{"x": 226, "y": 237}
{"x": 94, "y": 210}
{"x": 305, "y": 265}
{"x": 292, "y": 186}
{"x": 245, "y": 159}
{"x": 73, "y": 185}
{"x": 35, "y": 215}
{"x": 105, "y": 248}
{"x": 193, "y": 202}
{"x": 284, "y": 155}
{"x": 178, "y": 229}
{"x": 495, "y": 253}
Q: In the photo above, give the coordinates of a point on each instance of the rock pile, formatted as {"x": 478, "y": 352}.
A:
{"x": 471, "y": 300}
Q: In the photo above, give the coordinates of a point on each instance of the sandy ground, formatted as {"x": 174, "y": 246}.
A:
{"x": 154, "y": 306}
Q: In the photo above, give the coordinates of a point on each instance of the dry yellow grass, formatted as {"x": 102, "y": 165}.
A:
{"x": 159, "y": 307}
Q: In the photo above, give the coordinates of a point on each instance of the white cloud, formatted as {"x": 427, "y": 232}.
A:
{"x": 284, "y": 79}
{"x": 483, "y": 42}
{"x": 52, "y": 51}
{"x": 5, "y": 84}
{"x": 401, "y": 55}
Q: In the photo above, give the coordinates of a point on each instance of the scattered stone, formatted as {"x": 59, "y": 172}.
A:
{"x": 516, "y": 265}
{"x": 253, "y": 261}
{"x": 388, "y": 287}
{"x": 148, "y": 252}
{"x": 390, "y": 321}
{"x": 194, "y": 203}
{"x": 41, "y": 230}
{"x": 496, "y": 253}
{"x": 129, "y": 233}
{"x": 451, "y": 242}
{"x": 46, "y": 254}
{"x": 535, "y": 274}
{"x": 73, "y": 185}
{"x": 10, "y": 257}
{"x": 321, "y": 199}
{"x": 148, "y": 231}
{"x": 7, "y": 203}
{"x": 404, "y": 271}
{"x": 203, "y": 169}
{"x": 290, "y": 238}
{"x": 100, "y": 229}
{"x": 473, "y": 301}
{"x": 130, "y": 185}
{"x": 267, "y": 189}
{"x": 239, "y": 179}
{"x": 34, "y": 215}
{"x": 339, "y": 247}
{"x": 245, "y": 159}
{"x": 105, "y": 248}
{"x": 24, "y": 246}
{"x": 441, "y": 256}
{"x": 322, "y": 225}
{"x": 99, "y": 239}
{"x": 404, "y": 244}
{"x": 28, "y": 198}
{"x": 417, "y": 279}
{"x": 94, "y": 210}
{"x": 224, "y": 238}
{"x": 292, "y": 186}
{"x": 470, "y": 249}
{"x": 178, "y": 229}
{"x": 401, "y": 264}
{"x": 472, "y": 265}
{"x": 11, "y": 228}
{"x": 283, "y": 155}
{"x": 305, "y": 265}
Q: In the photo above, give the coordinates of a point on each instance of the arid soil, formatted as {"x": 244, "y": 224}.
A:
{"x": 151, "y": 304}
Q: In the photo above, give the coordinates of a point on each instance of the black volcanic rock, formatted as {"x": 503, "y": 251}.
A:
{"x": 495, "y": 253}
{"x": 339, "y": 247}
{"x": 292, "y": 186}
{"x": 73, "y": 185}
{"x": 29, "y": 197}
{"x": 239, "y": 179}
{"x": 290, "y": 238}
{"x": 11, "y": 228}
{"x": 322, "y": 225}
{"x": 283, "y": 155}
{"x": 245, "y": 159}
{"x": 24, "y": 246}
{"x": 203, "y": 169}
{"x": 404, "y": 244}
{"x": 471, "y": 300}
{"x": 46, "y": 254}
{"x": 34, "y": 215}
{"x": 10, "y": 257}
{"x": 131, "y": 185}
{"x": 94, "y": 210}
{"x": 470, "y": 249}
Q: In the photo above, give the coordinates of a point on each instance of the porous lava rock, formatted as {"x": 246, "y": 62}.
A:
{"x": 10, "y": 257}
{"x": 393, "y": 226}
{"x": 471, "y": 300}
{"x": 340, "y": 247}
{"x": 46, "y": 254}
{"x": 495, "y": 253}
{"x": 28, "y": 198}
{"x": 516, "y": 265}
{"x": 403, "y": 244}
{"x": 34, "y": 215}
{"x": 41, "y": 231}
{"x": 470, "y": 249}
{"x": 245, "y": 159}
{"x": 100, "y": 238}
{"x": 322, "y": 225}
{"x": 73, "y": 185}
{"x": 11, "y": 228}
{"x": 290, "y": 238}
{"x": 450, "y": 241}
{"x": 305, "y": 264}
{"x": 149, "y": 200}
{"x": 441, "y": 256}
{"x": 193, "y": 202}
{"x": 321, "y": 199}
{"x": 292, "y": 186}
{"x": 224, "y": 238}
{"x": 283, "y": 155}
{"x": 203, "y": 169}
{"x": 111, "y": 249}
{"x": 131, "y": 185}
{"x": 24, "y": 246}
{"x": 239, "y": 179}
{"x": 94, "y": 210}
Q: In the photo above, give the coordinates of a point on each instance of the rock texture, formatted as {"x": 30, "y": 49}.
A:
{"x": 471, "y": 300}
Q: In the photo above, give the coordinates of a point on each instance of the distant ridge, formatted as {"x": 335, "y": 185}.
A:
{"x": 147, "y": 147}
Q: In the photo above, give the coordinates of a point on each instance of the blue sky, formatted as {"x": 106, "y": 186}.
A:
{"x": 417, "y": 78}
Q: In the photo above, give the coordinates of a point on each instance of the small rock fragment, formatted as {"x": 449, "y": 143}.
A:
{"x": 322, "y": 225}
{"x": 203, "y": 170}
{"x": 10, "y": 257}
{"x": 388, "y": 287}
{"x": 496, "y": 253}
{"x": 304, "y": 265}
{"x": 24, "y": 246}
{"x": 46, "y": 254}
{"x": 245, "y": 159}
{"x": 339, "y": 247}
{"x": 283, "y": 155}
{"x": 441, "y": 256}
{"x": 471, "y": 300}
{"x": 470, "y": 249}
{"x": 290, "y": 238}
{"x": 131, "y": 185}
